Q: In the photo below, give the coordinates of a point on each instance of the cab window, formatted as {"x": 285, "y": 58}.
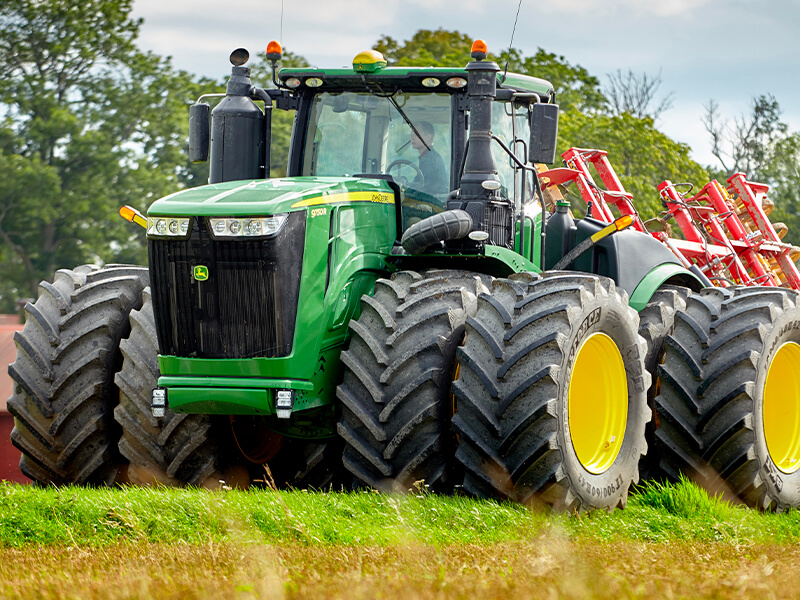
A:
{"x": 406, "y": 136}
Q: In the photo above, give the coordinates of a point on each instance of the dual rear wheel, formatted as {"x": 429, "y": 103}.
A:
{"x": 549, "y": 402}
{"x": 728, "y": 410}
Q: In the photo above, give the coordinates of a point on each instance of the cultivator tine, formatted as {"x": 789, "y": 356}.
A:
{"x": 751, "y": 201}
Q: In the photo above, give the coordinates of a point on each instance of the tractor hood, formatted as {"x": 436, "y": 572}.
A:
{"x": 270, "y": 196}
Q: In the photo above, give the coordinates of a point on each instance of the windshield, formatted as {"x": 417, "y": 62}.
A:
{"x": 406, "y": 136}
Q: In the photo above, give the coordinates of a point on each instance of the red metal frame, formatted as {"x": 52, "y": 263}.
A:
{"x": 728, "y": 249}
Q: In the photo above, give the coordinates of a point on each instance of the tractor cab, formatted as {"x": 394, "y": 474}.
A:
{"x": 409, "y": 126}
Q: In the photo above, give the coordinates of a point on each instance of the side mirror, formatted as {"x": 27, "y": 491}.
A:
{"x": 544, "y": 133}
{"x": 199, "y": 119}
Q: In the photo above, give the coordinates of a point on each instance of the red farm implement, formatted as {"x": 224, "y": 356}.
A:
{"x": 726, "y": 232}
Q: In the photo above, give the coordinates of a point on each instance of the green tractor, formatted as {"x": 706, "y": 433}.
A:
{"x": 403, "y": 308}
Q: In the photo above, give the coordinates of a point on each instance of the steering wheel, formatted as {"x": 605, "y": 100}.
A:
{"x": 403, "y": 162}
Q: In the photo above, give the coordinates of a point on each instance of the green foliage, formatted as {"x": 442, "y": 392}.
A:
{"x": 575, "y": 88}
{"x": 427, "y": 48}
{"x": 642, "y": 156}
{"x": 783, "y": 174}
{"x": 91, "y": 123}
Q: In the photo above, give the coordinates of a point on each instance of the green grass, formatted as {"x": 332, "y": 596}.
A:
{"x": 148, "y": 544}
{"x": 79, "y": 517}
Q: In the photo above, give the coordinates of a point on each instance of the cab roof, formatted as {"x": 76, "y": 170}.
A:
{"x": 408, "y": 79}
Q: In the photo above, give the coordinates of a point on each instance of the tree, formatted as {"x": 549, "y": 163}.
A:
{"x": 90, "y": 123}
{"x": 574, "y": 86}
{"x": 760, "y": 145}
{"x": 783, "y": 174}
{"x": 635, "y": 94}
{"x": 748, "y": 143}
{"x": 642, "y": 156}
{"x": 427, "y": 48}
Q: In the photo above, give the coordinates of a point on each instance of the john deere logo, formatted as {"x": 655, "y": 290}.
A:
{"x": 201, "y": 273}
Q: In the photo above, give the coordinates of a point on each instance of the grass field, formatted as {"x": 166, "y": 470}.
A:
{"x": 672, "y": 542}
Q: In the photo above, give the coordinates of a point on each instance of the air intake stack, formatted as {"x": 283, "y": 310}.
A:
{"x": 237, "y": 129}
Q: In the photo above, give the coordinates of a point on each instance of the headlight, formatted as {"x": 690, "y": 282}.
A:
{"x": 246, "y": 227}
{"x": 168, "y": 226}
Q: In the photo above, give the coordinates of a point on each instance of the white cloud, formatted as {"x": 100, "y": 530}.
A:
{"x": 639, "y": 8}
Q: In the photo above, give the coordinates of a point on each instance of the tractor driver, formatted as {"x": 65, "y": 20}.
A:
{"x": 432, "y": 177}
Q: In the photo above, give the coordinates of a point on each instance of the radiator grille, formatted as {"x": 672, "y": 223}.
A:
{"x": 248, "y": 305}
{"x": 499, "y": 223}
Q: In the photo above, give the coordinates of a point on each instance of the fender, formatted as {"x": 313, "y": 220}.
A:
{"x": 664, "y": 273}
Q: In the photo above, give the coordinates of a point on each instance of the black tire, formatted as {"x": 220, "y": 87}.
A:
{"x": 711, "y": 405}
{"x": 677, "y": 447}
{"x": 178, "y": 449}
{"x": 309, "y": 465}
{"x": 447, "y": 225}
{"x": 395, "y": 394}
{"x": 64, "y": 393}
{"x": 656, "y": 322}
{"x": 512, "y": 392}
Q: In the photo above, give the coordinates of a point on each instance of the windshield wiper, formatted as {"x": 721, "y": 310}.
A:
{"x": 397, "y": 107}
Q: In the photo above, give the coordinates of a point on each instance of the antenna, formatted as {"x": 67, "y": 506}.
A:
{"x": 511, "y": 43}
{"x": 281, "y": 37}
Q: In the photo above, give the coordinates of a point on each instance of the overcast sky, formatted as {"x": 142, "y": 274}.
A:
{"x": 728, "y": 50}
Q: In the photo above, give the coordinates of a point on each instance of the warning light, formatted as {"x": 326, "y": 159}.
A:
{"x": 134, "y": 216}
{"x": 479, "y": 50}
{"x": 274, "y": 51}
{"x": 624, "y": 222}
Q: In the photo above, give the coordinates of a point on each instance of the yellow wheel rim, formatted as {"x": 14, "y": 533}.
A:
{"x": 598, "y": 403}
{"x": 782, "y": 408}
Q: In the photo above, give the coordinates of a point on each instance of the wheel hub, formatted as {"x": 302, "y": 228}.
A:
{"x": 781, "y": 410}
{"x": 598, "y": 403}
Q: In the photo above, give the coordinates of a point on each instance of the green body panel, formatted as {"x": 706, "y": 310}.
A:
{"x": 654, "y": 280}
{"x": 353, "y": 221}
{"x": 532, "y": 228}
{"x": 514, "y": 261}
{"x": 228, "y": 401}
{"x": 270, "y": 197}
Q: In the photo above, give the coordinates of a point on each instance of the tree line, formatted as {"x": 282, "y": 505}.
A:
{"x": 89, "y": 122}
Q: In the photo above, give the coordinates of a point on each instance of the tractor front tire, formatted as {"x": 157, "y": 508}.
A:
{"x": 729, "y": 405}
{"x": 551, "y": 398}
{"x": 396, "y": 391}
{"x": 64, "y": 393}
{"x": 177, "y": 449}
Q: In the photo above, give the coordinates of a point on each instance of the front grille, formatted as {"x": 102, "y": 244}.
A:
{"x": 248, "y": 305}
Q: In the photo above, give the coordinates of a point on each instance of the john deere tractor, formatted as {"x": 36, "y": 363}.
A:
{"x": 403, "y": 307}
